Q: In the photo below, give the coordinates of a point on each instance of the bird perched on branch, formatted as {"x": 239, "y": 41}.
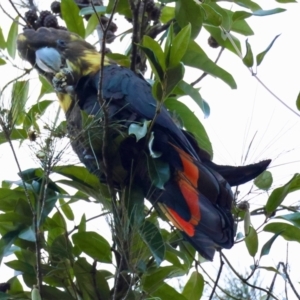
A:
{"x": 145, "y": 148}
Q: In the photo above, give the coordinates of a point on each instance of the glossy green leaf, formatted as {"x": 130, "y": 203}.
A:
{"x": 7, "y": 240}
{"x": 211, "y": 17}
{"x": 159, "y": 172}
{"x": 82, "y": 224}
{"x": 242, "y": 27}
{"x": 50, "y": 292}
{"x": 46, "y": 87}
{"x": 155, "y": 55}
{"x": 91, "y": 282}
{"x": 222, "y": 40}
{"x": 286, "y": 1}
{"x": 120, "y": 59}
{"x": 264, "y": 180}
{"x": 165, "y": 291}
{"x": 70, "y": 13}
{"x": 294, "y": 218}
{"x": 2, "y": 62}
{"x": 278, "y": 195}
{"x": 153, "y": 239}
{"x": 262, "y": 13}
{"x": 11, "y": 44}
{"x": 21, "y": 266}
{"x": 189, "y": 12}
{"x": 93, "y": 245}
{"x": 2, "y": 40}
{"x": 173, "y": 76}
{"x": 92, "y": 10}
{"x": 265, "y": 250}
{"x": 191, "y": 123}
{"x": 16, "y": 218}
{"x": 224, "y": 13}
{"x": 15, "y": 134}
{"x": 179, "y": 46}
{"x": 193, "y": 289}
{"x": 167, "y": 14}
{"x": 194, "y": 93}
{"x": 298, "y": 101}
{"x": 240, "y": 15}
{"x": 248, "y": 58}
{"x": 91, "y": 25}
{"x": 251, "y": 241}
{"x": 19, "y": 98}
{"x": 152, "y": 281}
{"x": 287, "y": 231}
{"x": 196, "y": 57}
{"x": 260, "y": 56}
{"x": 253, "y": 6}
{"x": 65, "y": 207}
{"x": 122, "y": 8}
{"x": 61, "y": 248}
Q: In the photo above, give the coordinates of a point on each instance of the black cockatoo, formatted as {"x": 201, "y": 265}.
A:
{"x": 196, "y": 194}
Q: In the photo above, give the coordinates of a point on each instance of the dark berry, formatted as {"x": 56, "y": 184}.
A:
{"x": 110, "y": 37}
{"x": 31, "y": 16}
{"x": 37, "y": 24}
{"x": 32, "y": 135}
{"x": 113, "y": 27}
{"x": 150, "y": 5}
{"x": 155, "y": 14}
{"x": 212, "y": 42}
{"x": 44, "y": 14}
{"x": 55, "y": 7}
{"x": 50, "y": 21}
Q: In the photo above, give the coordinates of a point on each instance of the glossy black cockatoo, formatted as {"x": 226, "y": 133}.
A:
{"x": 196, "y": 194}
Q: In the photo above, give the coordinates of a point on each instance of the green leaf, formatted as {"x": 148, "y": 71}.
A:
{"x": 211, "y": 17}
{"x": 120, "y": 59}
{"x": 155, "y": 55}
{"x": 19, "y": 98}
{"x": 224, "y": 13}
{"x": 189, "y": 12}
{"x": 193, "y": 289}
{"x": 2, "y": 40}
{"x": 167, "y": 14}
{"x": 91, "y": 281}
{"x": 260, "y": 56}
{"x": 262, "y": 13}
{"x": 248, "y": 58}
{"x": 92, "y": 10}
{"x": 61, "y": 248}
{"x": 46, "y": 87}
{"x": 50, "y": 292}
{"x": 240, "y": 15}
{"x": 298, "y": 101}
{"x": 122, "y": 8}
{"x": 222, "y": 39}
{"x": 153, "y": 239}
{"x": 2, "y": 61}
{"x": 159, "y": 172}
{"x": 242, "y": 27}
{"x": 287, "y": 231}
{"x": 264, "y": 180}
{"x": 93, "y": 245}
{"x": 91, "y": 25}
{"x": 191, "y": 123}
{"x": 293, "y": 218}
{"x": 251, "y": 241}
{"x": 65, "y": 207}
{"x": 153, "y": 280}
{"x": 11, "y": 43}
{"x": 70, "y": 14}
{"x": 196, "y": 57}
{"x": 15, "y": 134}
{"x": 167, "y": 292}
{"x": 172, "y": 77}
{"x": 279, "y": 194}
{"x": 286, "y": 1}
{"x": 248, "y": 4}
{"x": 179, "y": 46}
{"x": 265, "y": 250}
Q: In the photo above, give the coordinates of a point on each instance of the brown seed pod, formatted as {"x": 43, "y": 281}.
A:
{"x": 212, "y": 42}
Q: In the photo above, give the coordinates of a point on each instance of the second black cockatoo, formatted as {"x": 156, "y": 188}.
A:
{"x": 195, "y": 194}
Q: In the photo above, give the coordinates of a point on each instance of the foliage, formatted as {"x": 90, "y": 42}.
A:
{"x": 37, "y": 210}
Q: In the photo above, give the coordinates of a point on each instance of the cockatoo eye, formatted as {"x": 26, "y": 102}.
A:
{"x": 61, "y": 44}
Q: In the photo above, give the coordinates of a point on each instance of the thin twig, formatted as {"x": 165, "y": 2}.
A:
{"x": 17, "y": 11}
{"x": 246, "y": 282}
{"x": 205, "y": 73}
{"x": 218, "y": 277}
{"x": 289, "y": 279}
{"x": 273, "y": 282}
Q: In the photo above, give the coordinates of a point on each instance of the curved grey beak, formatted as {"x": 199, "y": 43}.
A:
{"x": 48, "y": 59}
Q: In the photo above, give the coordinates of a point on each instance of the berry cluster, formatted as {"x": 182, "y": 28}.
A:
{"x": 212, "y": 42}
{"x": 152, "y": 10}
{"x": 46, "y": 18}
{"x": 112, "y": 28}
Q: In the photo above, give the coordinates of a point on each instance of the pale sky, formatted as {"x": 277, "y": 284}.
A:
{"x": 235, "y": 117}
